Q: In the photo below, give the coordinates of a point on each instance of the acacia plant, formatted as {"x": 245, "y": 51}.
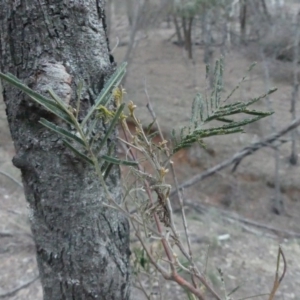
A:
{"x": 146, "y": 201}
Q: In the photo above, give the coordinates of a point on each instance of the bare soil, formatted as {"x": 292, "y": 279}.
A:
{"x": 232, "y": 205}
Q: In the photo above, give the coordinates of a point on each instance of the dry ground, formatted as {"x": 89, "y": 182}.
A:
{"x": 218, "y": 206}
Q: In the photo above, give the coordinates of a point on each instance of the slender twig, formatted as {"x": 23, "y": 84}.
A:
{"x": 251, "y": 297}
{"x": 147, "y": 187}
{"x": 6, "y": 234}
{"x": 12, "y": 178}
{"x": 14, "y": 233}
{"x": 141, "y": 287}
{"x": 179, "y": 193}
{"x": 116, "y": 45}
{"x": 159, "y": 228}
{"x": 174, "y": 275}
{"x": 180, "y": 196}
{"x": 162, "y": 270}
{"x": 278, "y": 279}
{"x": 17, "y": 289}
{"x": 171, "y": 257}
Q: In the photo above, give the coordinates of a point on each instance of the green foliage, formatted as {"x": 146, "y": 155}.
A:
{"x": 106, "y": 94}
{"x": 205, "y": 110}
{"x": 46, "y": 102}
{"x": 84, "y": 142}
{"x": 140, "y": 260}
{"x": 84, "y": 136}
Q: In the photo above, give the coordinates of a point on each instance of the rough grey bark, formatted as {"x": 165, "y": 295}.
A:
{"x": 82, "y": 247}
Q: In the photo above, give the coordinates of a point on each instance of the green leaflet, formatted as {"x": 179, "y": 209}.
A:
{"x": 102, "y": 98}
{"x": 58, "y": 107}
{"x": 63, "y": 132}
{"x": 112, "y": 125}
{"x": 49, "y": 104}
{"x": 107, "y": 170}
{"x": 234, "y": 290}
{"x": 78, "y": 153}
{"x": 59, "y": 102}
{"x": 79, "y": 92}
{"x": 106, "y": 166}
{"x": 148, "y": 130}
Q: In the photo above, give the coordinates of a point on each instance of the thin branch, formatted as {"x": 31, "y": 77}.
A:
{"x": 22, "y": 286}
{"x": 162, "y": 270}
{"x": 12, "y": 178}
{"x": 4, "y": 234}
{"x": 174, "y": 276}
{"x": 278, "y": 279}
{"x": 189, "y": 256}
{"x": 251, "y": 297}
{"x": 179, "y": 193}
{"x": 239, "y": 156}
{"x": 116, "y": 46}
{"x": 141, "y": 287}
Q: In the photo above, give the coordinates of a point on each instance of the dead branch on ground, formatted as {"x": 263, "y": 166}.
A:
{"x": 17, "y": 289}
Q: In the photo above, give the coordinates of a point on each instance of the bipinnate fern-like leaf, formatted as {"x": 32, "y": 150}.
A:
{"x": 205, "y": 110}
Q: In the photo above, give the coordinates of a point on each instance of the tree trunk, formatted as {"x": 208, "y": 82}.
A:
{"x": 82, "y": 246}
{"x": 130, "y": 4}
{"x": 295, "y": 92}
{"x": 187, "y": 31}
{"x": 178, "y": 31}
{"x": 243, "y": 20}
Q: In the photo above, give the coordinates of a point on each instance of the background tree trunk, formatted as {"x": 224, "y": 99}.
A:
{"x": 187, "y": 31}
{"x": 178, "y": 30}
{"x": 295, "y": 92}
{"x": 243, "y": 20}
{"x": 82, "y": 247}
